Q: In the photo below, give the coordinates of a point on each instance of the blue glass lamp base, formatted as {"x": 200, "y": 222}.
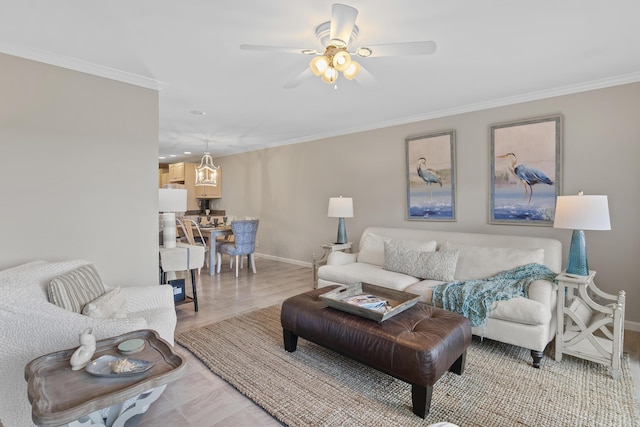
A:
{"x": 577, "y": 264}
{"x": 342, "y": 231}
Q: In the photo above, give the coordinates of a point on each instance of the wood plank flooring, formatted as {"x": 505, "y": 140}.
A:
{"x": 201, "y": 398}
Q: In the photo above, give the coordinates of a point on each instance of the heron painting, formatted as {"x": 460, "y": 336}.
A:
{"x": 431, "y": 177}
{"x": 525, "y": 171}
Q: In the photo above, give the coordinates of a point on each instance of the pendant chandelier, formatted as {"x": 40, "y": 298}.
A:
{"x": 207, "y": 172}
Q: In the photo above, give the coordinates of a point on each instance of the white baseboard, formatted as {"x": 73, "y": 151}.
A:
{"x": 287, "y": 260}
{"x": 632, "y": 326}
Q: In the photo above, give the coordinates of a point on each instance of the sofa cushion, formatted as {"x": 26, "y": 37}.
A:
{"x": 424, "y": 265}
{"x": 76, "y": 288}
{"x": 521, "y": 310}
{"x": 478, "y": 262}
{"x": 372, "y": 249}
{"x": 367, "y": 273}
{"x": 110, "y": 305}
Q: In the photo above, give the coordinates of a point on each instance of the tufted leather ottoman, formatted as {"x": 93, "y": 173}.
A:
{"x": 417, "y": 346}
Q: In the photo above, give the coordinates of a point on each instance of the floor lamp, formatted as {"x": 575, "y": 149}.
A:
{"x": 581, "y": 213}
{"x": 170, "y": 201}
{"x": 341, "y": 208}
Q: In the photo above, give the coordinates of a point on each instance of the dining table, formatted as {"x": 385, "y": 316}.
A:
{"x": 212, "y": 232}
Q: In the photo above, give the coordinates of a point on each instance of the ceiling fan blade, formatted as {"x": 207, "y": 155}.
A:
{"x": 280, "y": 49}
{"x": 365, "y": 78}
{"x": 343, "y": 18}
{"x": 294, "y": 82}
{"x": 401, "y": 49}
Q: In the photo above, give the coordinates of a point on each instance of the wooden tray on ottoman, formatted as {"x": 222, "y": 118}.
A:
{"x": 398, "y": 300}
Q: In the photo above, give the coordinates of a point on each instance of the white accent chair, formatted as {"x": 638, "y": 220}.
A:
{"x": 32, "y": 326}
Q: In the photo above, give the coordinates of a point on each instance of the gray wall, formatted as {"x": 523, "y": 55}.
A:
{"x": 288, "y": 187}
{"x": 63, "y": 198}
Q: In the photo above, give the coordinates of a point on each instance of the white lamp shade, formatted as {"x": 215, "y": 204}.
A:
{"x": 172, "y": 200}
{"x": 582, "y": 213}
{"x": 340, "y": 207}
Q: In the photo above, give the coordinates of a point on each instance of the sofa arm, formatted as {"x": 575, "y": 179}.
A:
{"x": 341, "y": 258}
{"x": 140, "y": 298}
{"x": 544, "y": 292}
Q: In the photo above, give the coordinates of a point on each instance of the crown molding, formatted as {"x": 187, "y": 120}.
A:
{"x": 501, "y": 102}
{"x": 82, "y": 66}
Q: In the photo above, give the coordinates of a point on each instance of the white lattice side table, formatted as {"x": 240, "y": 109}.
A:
{"x": 590, "y": 322}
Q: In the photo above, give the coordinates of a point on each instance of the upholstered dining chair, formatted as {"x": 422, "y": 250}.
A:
{"x": 244, "y": 233}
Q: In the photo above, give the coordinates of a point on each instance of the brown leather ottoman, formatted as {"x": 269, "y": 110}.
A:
{"x": 417, "y": 346}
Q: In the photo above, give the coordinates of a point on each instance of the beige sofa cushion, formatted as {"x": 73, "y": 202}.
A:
{"x": 478, "y": 262}
{"x": 367, "y": 273}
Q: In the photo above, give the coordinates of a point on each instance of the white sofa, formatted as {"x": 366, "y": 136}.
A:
{"x": 524, "y": 322}
{"x": 32, "y": 326}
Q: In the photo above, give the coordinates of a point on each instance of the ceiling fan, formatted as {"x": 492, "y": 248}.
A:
{"x": 338, "y": 36}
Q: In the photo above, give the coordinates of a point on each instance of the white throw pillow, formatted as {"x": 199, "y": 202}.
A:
{"x": 76, "y": 288}
{"x": 111, "y": 305}
{"x": 478, "y": 262}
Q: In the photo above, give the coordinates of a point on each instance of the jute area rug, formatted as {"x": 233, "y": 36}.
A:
{"x": 317, "y": 387}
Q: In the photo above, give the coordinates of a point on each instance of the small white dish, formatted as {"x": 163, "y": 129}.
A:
{"x": 101, "y": 366}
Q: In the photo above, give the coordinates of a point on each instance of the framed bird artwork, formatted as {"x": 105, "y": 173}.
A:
{"x": 525, "y": 171}
{"x": 431, "y": 178}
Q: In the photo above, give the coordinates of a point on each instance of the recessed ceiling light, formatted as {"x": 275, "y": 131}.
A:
{"x": 187, "y": 152}
{"x": 198, "y": 112}
{"x": 172, "y": 155}
{"x": 161, "y": 157}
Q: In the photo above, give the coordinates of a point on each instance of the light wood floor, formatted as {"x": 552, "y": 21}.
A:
{"x": 200, "y": 398}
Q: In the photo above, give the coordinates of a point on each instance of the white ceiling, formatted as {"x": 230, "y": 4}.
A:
{"x": 490, "y": 53}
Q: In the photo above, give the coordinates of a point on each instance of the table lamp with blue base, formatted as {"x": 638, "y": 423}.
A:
{"x": 581, "y": 213}
{"x": 341, "y": 208}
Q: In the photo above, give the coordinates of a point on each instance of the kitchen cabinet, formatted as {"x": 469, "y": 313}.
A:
{"x": 177, "y": 172}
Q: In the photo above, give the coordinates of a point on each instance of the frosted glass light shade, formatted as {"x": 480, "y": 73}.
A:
{"x": 330, "y": 75}
{"x": 341, "y": 60}
{"x": 318, "y": 65}
{"x": 352, "y": 70}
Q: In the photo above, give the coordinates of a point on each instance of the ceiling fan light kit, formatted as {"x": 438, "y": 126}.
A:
{"x": 334, "y": 59}
{"x": 337, "y": 35}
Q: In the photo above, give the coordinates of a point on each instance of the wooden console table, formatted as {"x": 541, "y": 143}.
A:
{"x": 61, "y": 396}
{"x": 588, "y": 329}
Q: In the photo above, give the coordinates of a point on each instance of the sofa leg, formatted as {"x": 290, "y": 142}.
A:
{"x": 537, "y": 357}
{"x": 421, "y": 399}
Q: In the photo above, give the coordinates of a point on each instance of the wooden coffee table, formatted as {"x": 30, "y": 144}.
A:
{"x": 62, "y": 396}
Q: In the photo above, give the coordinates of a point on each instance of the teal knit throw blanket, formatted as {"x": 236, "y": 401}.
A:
{"x": 474, "y": 298}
